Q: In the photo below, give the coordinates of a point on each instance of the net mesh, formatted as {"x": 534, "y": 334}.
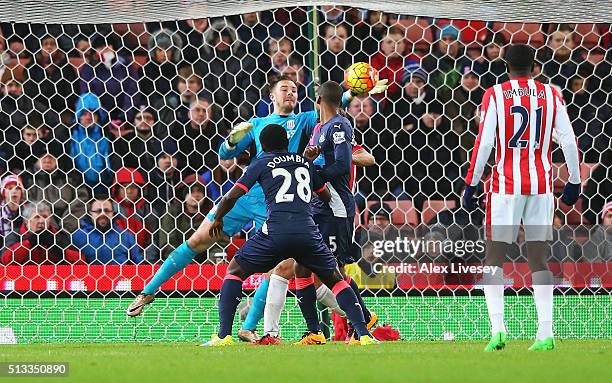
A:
{"x": 137, "y": 111}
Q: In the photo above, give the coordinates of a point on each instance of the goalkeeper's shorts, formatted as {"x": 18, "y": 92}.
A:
{"x": 249, "y": 208}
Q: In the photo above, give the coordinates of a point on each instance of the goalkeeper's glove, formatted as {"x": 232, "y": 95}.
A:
{"x": 237, "y": 133}
{"x": 380, "y": 87}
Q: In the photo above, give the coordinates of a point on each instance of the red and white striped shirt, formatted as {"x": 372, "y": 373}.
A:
{"x": 518, "y": 117}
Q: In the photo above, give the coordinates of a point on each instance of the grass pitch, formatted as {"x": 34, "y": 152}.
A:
{"x": 572, "y": 361}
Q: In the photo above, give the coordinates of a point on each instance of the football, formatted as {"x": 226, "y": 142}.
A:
{"x": 361, "y": 77}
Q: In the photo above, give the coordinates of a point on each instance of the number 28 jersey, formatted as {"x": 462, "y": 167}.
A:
{"x": 287, "y": 180}
{"x": 518, "y": 118}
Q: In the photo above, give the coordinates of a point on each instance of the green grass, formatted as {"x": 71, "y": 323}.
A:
{"x": 572, "y": 361}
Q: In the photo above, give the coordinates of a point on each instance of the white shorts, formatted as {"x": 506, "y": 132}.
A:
{"x": 505, "y": 212}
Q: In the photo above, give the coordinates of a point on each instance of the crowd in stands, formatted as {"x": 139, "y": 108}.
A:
{"x": 109, "y": 133}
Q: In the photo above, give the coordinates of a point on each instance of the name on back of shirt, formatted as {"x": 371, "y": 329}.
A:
{"x": 520, "y": 92}
{"x": 287, "y": 158}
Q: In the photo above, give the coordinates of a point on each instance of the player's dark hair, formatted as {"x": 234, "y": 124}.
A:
{"x": 331, "y": 93}
{"x": 520, "y": 58}
{"x": 274, "y": 138}
{"x": 276, "y": 79}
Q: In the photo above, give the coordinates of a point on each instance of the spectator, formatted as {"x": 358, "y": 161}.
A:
{"x": 38, "y": 242}
{"x": 11, "y": 203}
{"x": 389, "y": 61}
{"x": 434, "y": 155}
{"x": 101, "y": 240}
{"x": 563, "y": 248}
{"x": 408, "y": 106}
{"x": 89, "y": 148}
{"x": 492, "y": 67}
{"x": 599, "y": 246}
{"x": 379, "y": 227}
{"x": 27, "y": 151}
{"x": 253, "y": 32}
{"x": 382, "y": 142}
{"x": 596, "y": 66}
{"x": 193, "y": 37}
{"x": 295, "y": 72}
{"x": 83, "y": 50}
{"x": 111, "y": 79}
{"x": 199, "y": 139}
{"x": 372, "y": 133}
{"x": 137, "y": 149}
{"x": 336, "y": 57}
{"x": 463, "y": 107}
{"x": 379, "y": 218}
{"x": 279, "y": 54}
{"x": 588, "y": 119}
{"x": 556, "y": 56}
{"x": 459, "y": 223}
{"x": 457, "y": 215}
{"x": 44, "y": 181}
{"x": 134, "y": 212}
{"x": 185, "y": 216}
{"x": 598, "y": 189}
{"x": 220, "y": 180}
{"x": 165, "y": 176}
{"x": 228, "y": 72}
{"x": 445, "y": 63}
{"x": 363, "y": 272}
{"x": 4, "y": 55}
{"x": 53, "y": 80}
{"x": 19, "y": 55}
{"x": 36, "y": 139}
{"x": 159, "y": 76}
{"x": 15, "y": 108}
{"x": 371, "y": 31}
{"x": 175, "y": 106}
{"x": 332, "y": 14}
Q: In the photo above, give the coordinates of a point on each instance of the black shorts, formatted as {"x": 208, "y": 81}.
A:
{"x": 338, "y": 235}
{"x": 263, "y": 252}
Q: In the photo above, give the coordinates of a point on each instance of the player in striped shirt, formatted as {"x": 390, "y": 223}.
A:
{"x": 518, "y": 118}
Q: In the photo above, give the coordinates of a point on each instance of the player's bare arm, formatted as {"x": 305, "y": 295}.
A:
{"x": 363, "y": 158}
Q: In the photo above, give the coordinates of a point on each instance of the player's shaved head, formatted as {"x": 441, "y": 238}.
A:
{"x": 273, "y": 138}
{"x": 331, "y": 93}
{"x": 520, "y": 58}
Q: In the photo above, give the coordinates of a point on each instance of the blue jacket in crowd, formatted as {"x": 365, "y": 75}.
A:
{"x": 89, "y": 148}
{"x": 116, "y": 246}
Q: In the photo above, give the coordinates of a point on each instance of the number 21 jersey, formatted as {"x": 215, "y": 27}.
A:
{"x": 518, "y": 118}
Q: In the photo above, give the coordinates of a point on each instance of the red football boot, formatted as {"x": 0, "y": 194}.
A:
{"x": 267, "y": 340}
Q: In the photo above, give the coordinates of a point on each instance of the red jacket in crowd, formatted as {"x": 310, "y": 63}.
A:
{"x": 131, "y": 215}
{"x": 23, "y": 253}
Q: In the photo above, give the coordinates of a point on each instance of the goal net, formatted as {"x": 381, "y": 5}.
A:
{"x": 112, "y": 113}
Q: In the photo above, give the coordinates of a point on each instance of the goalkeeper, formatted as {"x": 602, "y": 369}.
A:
{"x": 250, "y": 207}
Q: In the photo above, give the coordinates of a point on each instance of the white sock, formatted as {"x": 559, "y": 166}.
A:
{"x": 275, "y": 301}
{"x": 494, "y": 295}
{"x": 328, "y": 299}
{"x": 543, "y": 297}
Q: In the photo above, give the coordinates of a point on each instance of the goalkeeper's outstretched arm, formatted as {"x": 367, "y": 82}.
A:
{"x": 238, "y": 140}
{"x": 380, "y": 87}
